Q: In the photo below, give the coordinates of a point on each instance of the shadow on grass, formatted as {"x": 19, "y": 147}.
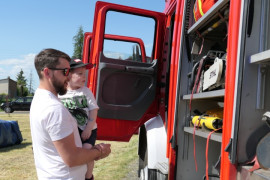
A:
{"x": 16, "y": 146}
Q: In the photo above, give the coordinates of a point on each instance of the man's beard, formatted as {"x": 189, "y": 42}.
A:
{"x": 61, "y": 89}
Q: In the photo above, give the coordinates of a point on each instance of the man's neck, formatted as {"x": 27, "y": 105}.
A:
{"x": 46, "y": 86}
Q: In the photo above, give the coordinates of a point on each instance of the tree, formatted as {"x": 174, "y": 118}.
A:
{"x": 78, "y": 44}
{"x": 30, "y": 85}
{"x": 136, "y": 53}
{"x": 22, "y": 90}
{"x": 3, "y": 97}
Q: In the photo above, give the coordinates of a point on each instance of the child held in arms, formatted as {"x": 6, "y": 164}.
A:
{"x": 82, "y": 105}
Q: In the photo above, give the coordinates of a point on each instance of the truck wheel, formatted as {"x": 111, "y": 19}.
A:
{"x": 8, "y": 110}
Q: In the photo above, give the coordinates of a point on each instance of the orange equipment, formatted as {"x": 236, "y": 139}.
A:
{"x": 201, "y": 7}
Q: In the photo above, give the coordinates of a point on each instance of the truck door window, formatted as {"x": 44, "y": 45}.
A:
{"x": 123, "y": 24}
{"x": 122, "y": 50}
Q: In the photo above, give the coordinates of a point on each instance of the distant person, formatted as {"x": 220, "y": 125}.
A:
{"x": 57, "y": 146}
{"x": 82, "y": 105}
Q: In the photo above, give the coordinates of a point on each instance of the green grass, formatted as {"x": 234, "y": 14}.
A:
{"x": 17, "y": 162}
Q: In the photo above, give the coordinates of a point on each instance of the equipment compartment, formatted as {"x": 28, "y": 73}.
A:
{"x": 205, "y": 40}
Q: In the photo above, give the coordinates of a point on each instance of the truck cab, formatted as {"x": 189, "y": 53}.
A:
{"x": 198, "y": 95}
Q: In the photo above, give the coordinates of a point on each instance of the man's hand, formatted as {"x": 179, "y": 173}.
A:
{"x": 104, "y": 149}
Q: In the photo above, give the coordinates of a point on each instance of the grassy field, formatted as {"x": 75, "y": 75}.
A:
{"x": 16, "y": 162}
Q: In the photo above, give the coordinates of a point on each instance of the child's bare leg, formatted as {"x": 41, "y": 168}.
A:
{"x": 90, "y": 165}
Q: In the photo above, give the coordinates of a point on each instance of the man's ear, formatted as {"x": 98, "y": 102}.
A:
{"x": 46, "y": 73}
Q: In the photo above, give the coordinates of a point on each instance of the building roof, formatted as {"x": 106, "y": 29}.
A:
{"x": 8, "y": 78}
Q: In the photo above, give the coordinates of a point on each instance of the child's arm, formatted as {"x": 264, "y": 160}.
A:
{"x": 91, "y": 122}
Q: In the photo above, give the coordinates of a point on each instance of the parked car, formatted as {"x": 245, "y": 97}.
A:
{"x": 20, "y": 104}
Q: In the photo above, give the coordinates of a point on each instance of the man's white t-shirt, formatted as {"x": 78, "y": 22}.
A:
{"x": 80, "y": 102}
{"x": 51, "y": 121}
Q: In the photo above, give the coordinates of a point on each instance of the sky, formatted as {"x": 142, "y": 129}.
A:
{"x": 29, "y": 26}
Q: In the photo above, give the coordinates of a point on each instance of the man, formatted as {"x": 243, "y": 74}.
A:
{"x": 57, "y": 146}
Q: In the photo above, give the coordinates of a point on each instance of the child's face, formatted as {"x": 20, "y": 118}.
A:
{"x": 77, "y": 78}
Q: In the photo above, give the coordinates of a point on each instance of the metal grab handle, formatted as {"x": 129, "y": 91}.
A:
{"x": 143, "y": 70}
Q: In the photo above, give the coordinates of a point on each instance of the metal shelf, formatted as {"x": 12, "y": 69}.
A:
{"x": 204, "y": 133}
{"x": 261, "y": 58}
{"x": 206, "y": 95}
{"x": 207, "y": 16}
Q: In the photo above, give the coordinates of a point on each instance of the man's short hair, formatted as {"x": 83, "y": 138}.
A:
{"x": 48, "y": 58}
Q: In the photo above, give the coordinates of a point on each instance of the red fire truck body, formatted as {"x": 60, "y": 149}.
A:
{"x": 162, "y": 96}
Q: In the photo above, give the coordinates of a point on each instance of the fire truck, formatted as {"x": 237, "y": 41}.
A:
{"x": 199, "y": 98}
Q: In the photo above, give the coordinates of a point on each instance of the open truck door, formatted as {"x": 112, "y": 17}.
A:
{"x": 125, "y": 87}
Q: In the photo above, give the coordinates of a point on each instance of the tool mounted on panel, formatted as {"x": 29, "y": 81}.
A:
{"x": 211, "y": 120}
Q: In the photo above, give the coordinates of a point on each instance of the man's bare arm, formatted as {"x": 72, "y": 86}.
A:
{"x": 74, "y": 156}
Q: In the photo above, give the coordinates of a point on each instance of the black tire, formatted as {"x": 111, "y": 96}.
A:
{"x": 8, "y": 109}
